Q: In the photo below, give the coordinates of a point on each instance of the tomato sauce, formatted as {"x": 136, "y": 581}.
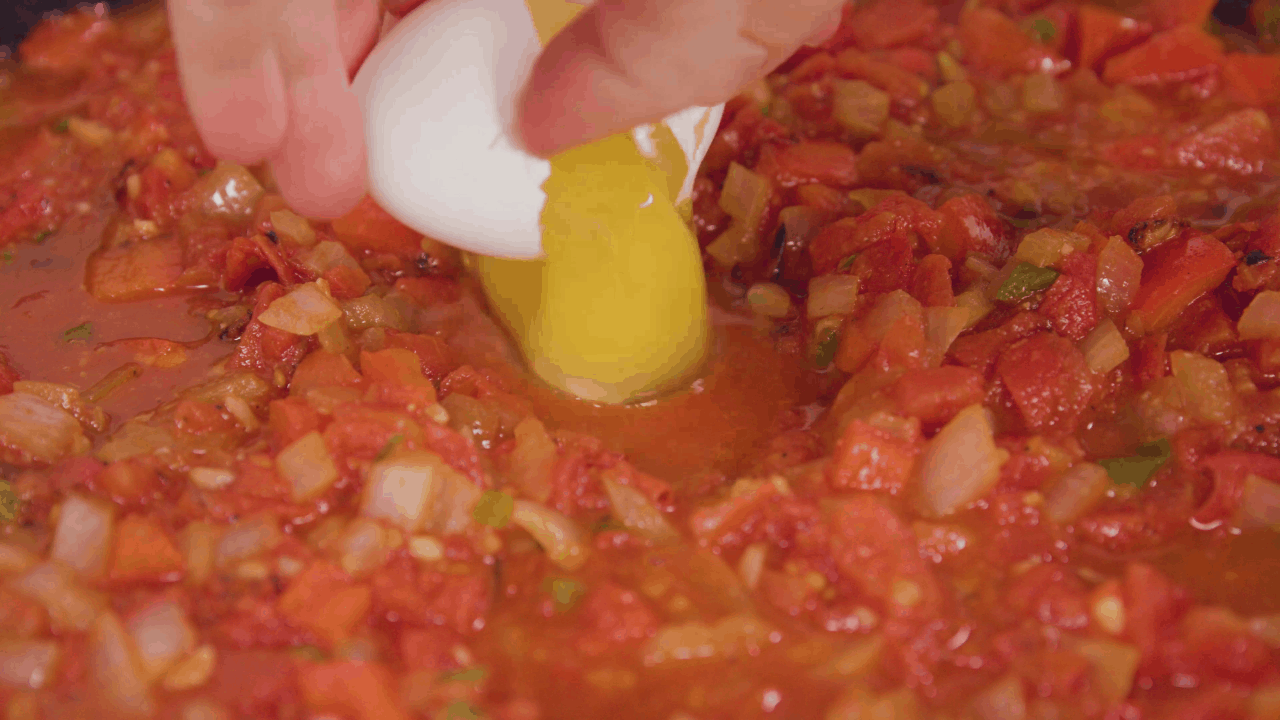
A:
{"x": 990, "y": 428}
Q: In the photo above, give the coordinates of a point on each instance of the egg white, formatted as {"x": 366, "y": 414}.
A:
{"x": 437, "y": 95}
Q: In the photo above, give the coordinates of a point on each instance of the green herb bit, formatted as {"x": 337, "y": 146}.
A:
{"x": 7, "y": 257}
{"x": 83, "y": 331}
{"x": 1043, "y": 29}
{"x": 462, "y": 710}
{"x": 63, "y": 125}
{"x": 825, "y": 353}
{"x": 8, "y": 502}
{"x": 473, "y": 675}
{"x": 41, "y": 237}
{"x": 1025, "y": 280}
{"x": 307, "y": 652}
{"x": 847, "y": 263}
{"x": 389, "y": 448}
{"x": 494, "y": 509}
{"x": 1135, "y": 470}
{"x": 566, "y": 593}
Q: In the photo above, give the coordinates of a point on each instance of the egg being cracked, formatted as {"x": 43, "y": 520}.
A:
{"x": 584, "y": 257}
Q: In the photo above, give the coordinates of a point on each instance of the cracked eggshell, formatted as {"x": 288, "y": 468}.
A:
{"x": 437, "y": 96}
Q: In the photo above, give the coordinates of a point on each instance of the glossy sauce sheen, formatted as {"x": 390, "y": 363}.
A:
{"x": 779, "y": 540}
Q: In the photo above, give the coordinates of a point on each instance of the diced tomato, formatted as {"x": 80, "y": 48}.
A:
{"x": 1071, "y": 304}
{"x": 980, "y": 350}
{"x": 915, "y": 61}
{"x": 1228, "y": 470}
{"x": 326, "y": 601}
{"x": 994, "y": 42}
{"x": 255, "y": 683}
{"x": 895, "y": 217}
{"x": 932, "y": 282}
{"x": 1141, "y": 152}
{"x": 1184, "y": 53}
{"x": 130, "y": 483}
{"x": 289, "y": 419}
{"x": 888, "y": 23}
{"x": 144, "y": 552}
{"x": 1152, "y": 607}
{"x": 1175, "y": 274}
{"x": 885, "y": 266}
{"x": 1150, "y": 360}
{"x": 970, "y": 224}
{"x": 1049, "y": 381}
{"x": 1252, "y": 79}
{"x": 1105, "y": 32}
{"x": 1053, "y": 595}
{"x": 1171, "y": 13}
{"x": 248, "y": 255}
{"x": 135, "y": 271}
{"x": 67, "y": 43}
{"x": 812, "y": 67}
{"x": 430, "y": 290}
{"x": 615, "y": 614}
{"x": 457, "y": 450}
{"x": 822, "y": 197}
{"x": 21, "y": 213}
{"x": 935, "y": 395}
{"x": 346, "y": 282}
{"x": 202, "y": 418}
{"x": 434, "y": 356}
{"x": 394, "y": 366}
{"x": 322, "y": 368}
{"x": 430, "y": 648}
{"x": 8, "y": 375}
{"x": 1241, "y": 142}
{"x": 868, "y": 458}
{"x": 369, "y": 228}
{"x": 264, "y": 349}
{"x": 872, "y": 547}
{"x": 429, "y": 598}
{"x": 362, "y": 690}
{"x": 906, "y": 89}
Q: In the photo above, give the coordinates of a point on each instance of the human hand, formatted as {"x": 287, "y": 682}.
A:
{"x": 268, "y": 80}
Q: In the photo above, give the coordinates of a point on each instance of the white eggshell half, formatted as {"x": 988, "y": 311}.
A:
{"x": 436, "y": 95}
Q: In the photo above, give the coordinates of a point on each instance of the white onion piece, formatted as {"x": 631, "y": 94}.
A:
{"x": 1261, "y": 320}
{"x": 532, "y": 459}
{"x": 561, "y": 538}
{"x": 82, "y": 539}
{"x": 1104, "y": 347}
{"x": 53, "y": 586}
{"x": 1076, "y": 492}
{"x": 832, "y": 295}
{"x": 888, "y": 310}
{"x": 162, "y": 635}
{"x": 114, "y": 667}
{"x": 306, "y": 310}
{"x": 1205, "y": 385}
{"x": 1260, "y": 502}
{"x": 751, "y": 564}
{"x": 637, "y": 514}
{"x": 976, "y": 303}
{"x": 328, "y": 255}
{"x": 211, "y": 478}
{"x": 198, "y": 543}
{"x": 364, "y": 546}
{"x": 289, "y": 225}
{"x": 942, "y": 325}
{"x": 401, "y": 489}
{"x": 27, "y": 664}
{"x": 961, "y": 463}
{"x": 307, "y": 466}
{"x": 1114, "y": 665}
{"x": 455, "y": 507}
{"x": 741, "y": 633}
{"x": 247, "y": 539}
{"x": 38, "y": 428}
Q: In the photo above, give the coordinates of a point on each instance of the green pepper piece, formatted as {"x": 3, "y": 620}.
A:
{"x": 1025, "y": 280}
{"x": 1135, "y": 470}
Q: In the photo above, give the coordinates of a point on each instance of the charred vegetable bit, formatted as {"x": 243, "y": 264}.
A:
{"x": 1255, "y": 257}
{"x": 1135, "y": 470}
{"x": 1025, "y": 280}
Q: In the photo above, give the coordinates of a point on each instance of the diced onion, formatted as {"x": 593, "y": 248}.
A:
{"x": 888, "y": 310}
{"x": 961, "y": 463}
{"x": 1005, "y": 699}
{"x": 14, "y": 559}
{"x": 769, "y": 300}
{"x": 745, "y": 193}
{"x": 455, "y": 507}
{"x": 401, "y": 489}
{"x": 561, "y": 538}
{"x": 229, "y": 191}
{"x": 426, "y": 548}
{"x": 211, "y": 478}
{"x": 637, "y": 514}
{"x": 832, "y": 295}
{"x": 307, "y": 466}
{"x": 290, "y": 225}
{"x": 241, "y": 410}
{"x": 364, "y": 547}
{"x": 306, "y": 310}
{"x": 1047, "y": 247}
{"x": 192, "y": 671}
{"x": 38, "y": 428}
{"x": 82, "y": 539}
{"x": 954, "y": 103}
{"x": 1076, "y": 492}
{"x": 198, "y": 543}
{"x": 27, "y": 664}
{"x": 326, "y": 256}
{"x": 162, "y": 635}
{"x": 1042, "y": 93}
{"x": 942, "y": 325}
{"x": 1260, "y": 502}
{"x": 89, "y": 132}
{"x": 1205, "y": 384}
{"x": 745, "y": 197}
{"x": 1261, "y": 320}
{"x": 856, "y": 661}
{"x": 1119, "y": 275}
{"x": 1114, "y": 665}
{"x": 976, "y": 302}
{"x": 1104, "y": 347}
{"x": 751, "y": 564}
{"x": 246, "y": 539}
{"x": 53, "y": 586}
{"x": 114, "y": 666}
{"x": 859, "y": 107}
{"x": 532, "y": 459}
{"x": 67, "y": 398}
{"x": 732, "y": 636}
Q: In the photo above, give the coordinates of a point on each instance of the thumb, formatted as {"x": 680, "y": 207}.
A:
{"x": 622, "y": 63}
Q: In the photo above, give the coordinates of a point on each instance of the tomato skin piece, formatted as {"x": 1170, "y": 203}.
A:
{"x": 980, "y": 350}
{"x": 1175, "y": 274}
{"x": 1049, "y": 381}
{"x": 1242, "y": 142}
{"x": 932, "y": 282}
{"x": 1071, "y": 303}
{"x": 1182, "y": 54}
{"x": 830, "y": 163}
{"x": 1228, "y": 469}
{"x": 970, "y": 224}
{"x": 868, "y": 458}
{"x": 1104, "y": 32}
{"x": 994, "y": 42}
{"x": 369, "y": 228}
{"x": 895, "y": 217}
{"x": 1252, "y": 79}
{"x": 935, "y": 395}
